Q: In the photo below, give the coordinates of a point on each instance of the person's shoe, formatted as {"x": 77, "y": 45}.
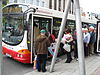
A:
{"x": 39, "y": 70}
{"x": 44, "y": 70}
{"x": 77, "y": 59}
{"x": 90, "y": 55}
{"x": 68, "y": 61}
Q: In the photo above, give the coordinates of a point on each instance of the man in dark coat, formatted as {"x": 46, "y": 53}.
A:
{"x": 92, "y": 40}
{"x": 41, "y": 48}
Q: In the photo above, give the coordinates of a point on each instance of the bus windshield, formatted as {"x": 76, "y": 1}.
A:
{"x": 13, "y": 27}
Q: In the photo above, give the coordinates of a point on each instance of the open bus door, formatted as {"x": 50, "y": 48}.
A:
{"x": 98, "y": 37}
{"x": 35, "y": 24}
{"x": 30, "y": 38}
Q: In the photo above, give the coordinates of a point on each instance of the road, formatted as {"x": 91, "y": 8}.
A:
{"x": 12, "y": 67}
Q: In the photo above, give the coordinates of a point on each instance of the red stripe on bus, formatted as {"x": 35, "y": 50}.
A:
{"x": 24, "y": 59}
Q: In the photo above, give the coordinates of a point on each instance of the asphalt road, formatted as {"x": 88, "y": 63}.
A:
{"x": 12, "y": 67}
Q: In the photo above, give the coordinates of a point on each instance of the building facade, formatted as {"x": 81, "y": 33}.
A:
{"x": 59, "y": 5}
{"x": 35, "y": 2}
{"x": 52, "y": 4}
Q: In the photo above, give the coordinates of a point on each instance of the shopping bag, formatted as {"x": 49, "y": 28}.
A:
{"x": 35, "y": 63}
{"x": 67, "y": 47}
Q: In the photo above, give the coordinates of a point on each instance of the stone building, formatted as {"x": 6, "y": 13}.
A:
{"x": 52, "y": 4}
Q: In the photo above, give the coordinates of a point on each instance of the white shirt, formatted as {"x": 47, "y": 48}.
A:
{"x": 86, "y": 38}
{"x": 67, "y": 38}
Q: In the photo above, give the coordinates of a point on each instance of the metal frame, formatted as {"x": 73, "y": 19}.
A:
{"x": 1, "y": 56}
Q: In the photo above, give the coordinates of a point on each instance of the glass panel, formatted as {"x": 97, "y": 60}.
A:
{"x": 43, "y": 23}
{"x": 55, "y": 4}
{"x": 50, "y": 4}
{"x": 29, "y": 27}
{"x": 59, "y": 7}
{"x": 98, "y": 36}
{"x": 56, "y": 26}
{"x": 37, "y": 3}
{"x": 13, "y": 24}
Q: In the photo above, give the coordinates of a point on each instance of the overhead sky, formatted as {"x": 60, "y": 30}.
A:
{"x": 90, "y": 5}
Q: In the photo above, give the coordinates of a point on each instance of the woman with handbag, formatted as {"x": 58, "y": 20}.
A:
{"x": 68, "y": 45}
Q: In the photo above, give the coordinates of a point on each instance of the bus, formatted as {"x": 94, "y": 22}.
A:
{"x": 18, "y": 31}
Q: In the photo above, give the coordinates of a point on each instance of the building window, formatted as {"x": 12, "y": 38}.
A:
{"x": 23, "y": 1}
{"x": 72, "y": 8}
{"x": 15, "y": 1}
{"x": 59, "y": 6}
{"x": 55, "y": 4}
{"x": 63, "y": 5}
{"x": 37, "y": 3}
{"x": 42, "y": 3}
{"x": 31, "y": 1}
{"x": 50, "y": 4}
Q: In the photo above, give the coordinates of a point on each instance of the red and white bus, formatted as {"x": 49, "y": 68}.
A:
{"x": 18, "y": 32}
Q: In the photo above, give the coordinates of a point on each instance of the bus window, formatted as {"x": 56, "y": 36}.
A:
{"x": 56, "y": 26}
{"x": 43, "y": 23}
{"x": 13, "y": 27}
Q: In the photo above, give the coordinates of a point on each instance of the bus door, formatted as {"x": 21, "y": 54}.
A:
{"x": 41, "y": 23}
{"x": 98, "y": 36}
{"x": 35, "y": 24}
{"x": 30, "y": 38}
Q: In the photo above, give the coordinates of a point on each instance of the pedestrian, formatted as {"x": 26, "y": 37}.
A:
{"x": 95, "y": 44}
{"x": 75, "y": 45}
{"x": 68, "y": 40}
{"x": 92, "y": 40}
{"x": 86, "y": 40}
{"x": 52, "y": 38}
{"x": 41, "y": 48}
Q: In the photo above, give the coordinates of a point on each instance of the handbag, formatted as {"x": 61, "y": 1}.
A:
{"x": 67, "y": 47}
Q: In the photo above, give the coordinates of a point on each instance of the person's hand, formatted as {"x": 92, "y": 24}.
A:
{"x": 66, "y": 42}
{"x": 87, "y": 45}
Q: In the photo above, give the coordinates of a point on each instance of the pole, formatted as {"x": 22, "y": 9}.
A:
{"x": 32, "y": 39}
{"x": 1, "y": 57}
{"x": 68, "y": 3}
{"x": 79, "y": 38}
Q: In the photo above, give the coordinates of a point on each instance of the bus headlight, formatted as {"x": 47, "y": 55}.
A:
{"x": 19, "y": 55}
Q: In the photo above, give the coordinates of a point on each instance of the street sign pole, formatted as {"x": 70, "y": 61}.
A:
{"x": 1, "y": 57}
{"x": 79, "y": 39}
{"x": 68, "y": 3}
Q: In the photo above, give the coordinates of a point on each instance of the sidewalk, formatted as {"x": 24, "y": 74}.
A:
{"x": 61, "y": 68}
